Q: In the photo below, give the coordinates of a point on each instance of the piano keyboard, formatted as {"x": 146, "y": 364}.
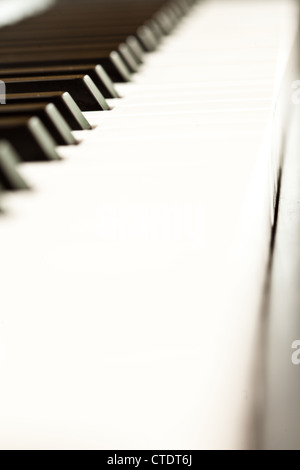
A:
{"x": 138, "y": 179}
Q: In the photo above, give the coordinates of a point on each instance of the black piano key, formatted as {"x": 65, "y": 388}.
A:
{"x": 164, "y": 21}
{"x": 92, "y": 37}
{"x": 109, "y": 90}
{"x": 172, "y": 13}
{"x": 146, "y": 38}
{"x": 96, "y": 72}
{"x": 10, "y": 178}
{"x": 62, "y": 100}
{"x": 177, "y": 11}
{"x": 182, "y": 6}
{"x": 74, "y": 48}
{"x": 29, "y": 137}
{"x": 156, "y": 29}
{"x": 112, "y": 63}
{"x": 81, "y": 88}
{"x": 48, "y": 114}
{"x": 135, "y": 48}
{"x": 128, "y": 58}
{"x": 116, "y": 68}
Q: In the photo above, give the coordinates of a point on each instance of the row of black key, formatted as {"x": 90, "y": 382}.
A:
{"x": 65, "y": 61}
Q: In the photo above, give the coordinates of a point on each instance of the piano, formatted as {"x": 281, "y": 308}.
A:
{"x": 149, "y": 228}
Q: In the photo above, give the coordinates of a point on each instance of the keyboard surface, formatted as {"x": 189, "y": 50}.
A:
{"x": 132, "y": 273}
